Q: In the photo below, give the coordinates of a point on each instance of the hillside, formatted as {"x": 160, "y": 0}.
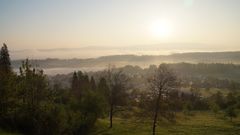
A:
{"x": 143, "y": 61}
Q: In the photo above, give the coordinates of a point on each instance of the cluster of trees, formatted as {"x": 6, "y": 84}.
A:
{"x": 110, "y": 91}
{"x": 227, "y": 104}
{"x": 221, "y": 76}
{"x": 29, "y": 104}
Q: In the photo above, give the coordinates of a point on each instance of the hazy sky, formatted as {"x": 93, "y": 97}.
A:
{"x": 48, "y": 24}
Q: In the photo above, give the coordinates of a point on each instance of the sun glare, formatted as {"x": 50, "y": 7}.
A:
{"x": 161, "y": 28}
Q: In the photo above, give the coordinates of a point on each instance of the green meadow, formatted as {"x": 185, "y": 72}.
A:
{"x": 199, "y": 123}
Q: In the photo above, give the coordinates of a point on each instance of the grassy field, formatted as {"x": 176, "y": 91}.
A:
{"x": 201, "y": 123}
{"x": 7, "y": 133}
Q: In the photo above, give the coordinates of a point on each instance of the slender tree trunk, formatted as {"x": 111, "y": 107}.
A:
{"x": 156, "y": 113}
{"x": 111, "y": 115}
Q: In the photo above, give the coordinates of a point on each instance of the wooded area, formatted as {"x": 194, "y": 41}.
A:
{"x": 32, "y": 104}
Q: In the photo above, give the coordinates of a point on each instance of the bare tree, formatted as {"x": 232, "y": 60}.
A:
{"x": 163, "y": 81}
{"x": 116, "y": 81}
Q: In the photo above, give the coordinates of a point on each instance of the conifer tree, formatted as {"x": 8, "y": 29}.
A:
{"x": 5, "y": 64}
{"x": 74, "y": 84}
{"x": 103, "y": 88}
{"x": 5, "y": 70}
{"x": 93, "y": 84}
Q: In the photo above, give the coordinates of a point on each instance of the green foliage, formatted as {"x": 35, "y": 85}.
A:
{"x": 30, "y": 106}
{"x": 7, "y": 81}
{"x": 35, "y": 105}
{"x": 85, "y": 105}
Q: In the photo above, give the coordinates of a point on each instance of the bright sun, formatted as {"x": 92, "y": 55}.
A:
{"x": 161, "y": 28}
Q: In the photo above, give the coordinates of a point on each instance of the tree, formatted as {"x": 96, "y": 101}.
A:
{"x": 117, "y": 82}
{"x": 187, "y": 108}
{"x": 163, "y": 81}
{"x": 85, "y": 103}
{"x": 75, "y": 85}
{"x": 231, "y": 99}
{"x": 103, "y": 88}
{"x": 35, "y": 99}
{"x": 92, "y": 83}
{"x": 230, "y": 112}
{"x": 80, "y": 84}
{"x": 238, "y": 102}
{"x": 6, "y": 77}
{"x": 34, "y": 85}
{"x": 218, "y": 99}
{"x": 214, "y": 107}
{"x": 103, "y": 93}
{"x": 5, "y": 63}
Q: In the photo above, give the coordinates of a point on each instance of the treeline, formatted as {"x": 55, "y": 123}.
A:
{"x": 210, "y": 82}
{"x": 221, "y": 76}
{"x": 206, "y": 76}
{"x": 29, "y": 104}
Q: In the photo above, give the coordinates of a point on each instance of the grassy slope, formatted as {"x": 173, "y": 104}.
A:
{"x": 7, "y": 133}
{"x": 202, "y": 123}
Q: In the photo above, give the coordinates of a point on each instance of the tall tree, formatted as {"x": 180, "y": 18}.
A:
{"x": 92, "y": 83}
{"x": 231, "y": 99}
{"x": 117, "y": 82}
{"x": 218, "y": 99}
{"x": 103, "y": 88}
{"x": 35, "y": 98}
{"x": 231, "y": 112}
{"x": 34, "y": 86}
{"x": 5, "y": 75}
{"x": 80, "y": 84}
{"x": 163, "y": 81}
{"x": 75, "y": 85}
{"x": 5, "y": 63}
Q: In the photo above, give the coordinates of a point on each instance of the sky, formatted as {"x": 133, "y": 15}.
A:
{"x": 67, "y": 28}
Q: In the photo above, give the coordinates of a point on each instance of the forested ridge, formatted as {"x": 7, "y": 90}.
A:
{"x": 141, "y": 60}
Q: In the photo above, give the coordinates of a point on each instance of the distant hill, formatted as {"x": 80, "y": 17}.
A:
{"x": 143, "y": 60}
